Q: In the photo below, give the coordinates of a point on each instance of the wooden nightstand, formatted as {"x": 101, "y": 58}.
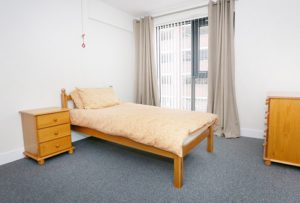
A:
{"x": 46, "y": 133}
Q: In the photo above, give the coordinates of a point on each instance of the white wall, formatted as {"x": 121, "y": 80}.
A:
{"x": 267, "y": 56}
{"x": 40, "y": 53}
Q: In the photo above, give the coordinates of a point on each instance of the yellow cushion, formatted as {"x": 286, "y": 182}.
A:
{"x": 97, "y": 98}
{"x": 76, "y": 99}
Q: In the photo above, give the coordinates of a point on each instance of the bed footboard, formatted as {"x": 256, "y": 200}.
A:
{"x": 178, "y": 161}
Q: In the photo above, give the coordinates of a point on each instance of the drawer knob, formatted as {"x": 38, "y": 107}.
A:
{"x": 57, "y": 146}
{"x": 55, "y": 120}
{"x": 56, "y": 133}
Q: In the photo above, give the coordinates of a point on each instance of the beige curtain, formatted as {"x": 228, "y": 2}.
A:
{"x": 147, "y": 90}
{"x": 221, "y": 68}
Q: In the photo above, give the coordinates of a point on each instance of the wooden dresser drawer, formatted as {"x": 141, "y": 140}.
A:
{"x": 53, "y": 146}
{"x": 55, "y": 132}
{"x": 44, "y": 121}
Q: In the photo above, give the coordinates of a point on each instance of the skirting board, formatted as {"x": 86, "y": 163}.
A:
{"x": 10, "y": 156}
{"x": 14, "y": 155}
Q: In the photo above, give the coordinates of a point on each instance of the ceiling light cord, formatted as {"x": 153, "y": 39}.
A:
{"x": 83, "y": 13}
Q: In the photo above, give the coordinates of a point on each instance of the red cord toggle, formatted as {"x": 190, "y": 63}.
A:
{"x": 83, "y": 40}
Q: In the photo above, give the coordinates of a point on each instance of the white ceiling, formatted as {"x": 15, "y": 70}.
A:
{"x": 139, "y": 8}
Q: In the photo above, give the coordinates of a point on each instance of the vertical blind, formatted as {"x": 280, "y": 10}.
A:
{"x": 182, "y": 64}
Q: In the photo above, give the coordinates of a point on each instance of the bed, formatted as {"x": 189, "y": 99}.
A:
{"x": 137, "y": 131}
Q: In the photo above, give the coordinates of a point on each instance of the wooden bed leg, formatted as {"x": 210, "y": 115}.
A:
{"x": 210, "y": 140}
{"x": 178, "y": 172}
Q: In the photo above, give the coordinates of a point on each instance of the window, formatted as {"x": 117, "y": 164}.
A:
{"x": 186, "y": 56}
{"x": 166, "y": 35}
{"x": 165, "y": 79}
{"x": 182, "y": 53}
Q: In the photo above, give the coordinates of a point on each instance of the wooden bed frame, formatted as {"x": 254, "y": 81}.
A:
{"x": 178, "y": 161}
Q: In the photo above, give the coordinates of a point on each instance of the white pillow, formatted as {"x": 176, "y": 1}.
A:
{"x": 97, "y": 98}
{"x": 76, "y": 99}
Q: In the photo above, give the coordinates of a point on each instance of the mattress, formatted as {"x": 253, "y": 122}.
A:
{"x": 166, "y": 129}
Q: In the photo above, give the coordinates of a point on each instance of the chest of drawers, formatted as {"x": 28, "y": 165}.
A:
{"x": 282, "y": 134}
{"x": 46, "y": 133}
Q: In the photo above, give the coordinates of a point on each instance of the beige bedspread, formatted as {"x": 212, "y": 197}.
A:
{"x": 159, "y": 127}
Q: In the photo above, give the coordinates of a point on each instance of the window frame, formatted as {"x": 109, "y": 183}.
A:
{"x": 196, "y": 24}
{"x": 196, "y": 70}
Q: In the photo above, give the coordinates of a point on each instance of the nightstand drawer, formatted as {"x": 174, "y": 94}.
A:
{"x": 55, "y": 132}
{"x": 44, "y": 121}
{"x": 55, "y": 145}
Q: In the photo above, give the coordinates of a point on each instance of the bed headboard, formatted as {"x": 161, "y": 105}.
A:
{"x": 64, "y": 98}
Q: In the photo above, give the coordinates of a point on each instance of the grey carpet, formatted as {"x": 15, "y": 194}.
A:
{"x": 104, "y": 172}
